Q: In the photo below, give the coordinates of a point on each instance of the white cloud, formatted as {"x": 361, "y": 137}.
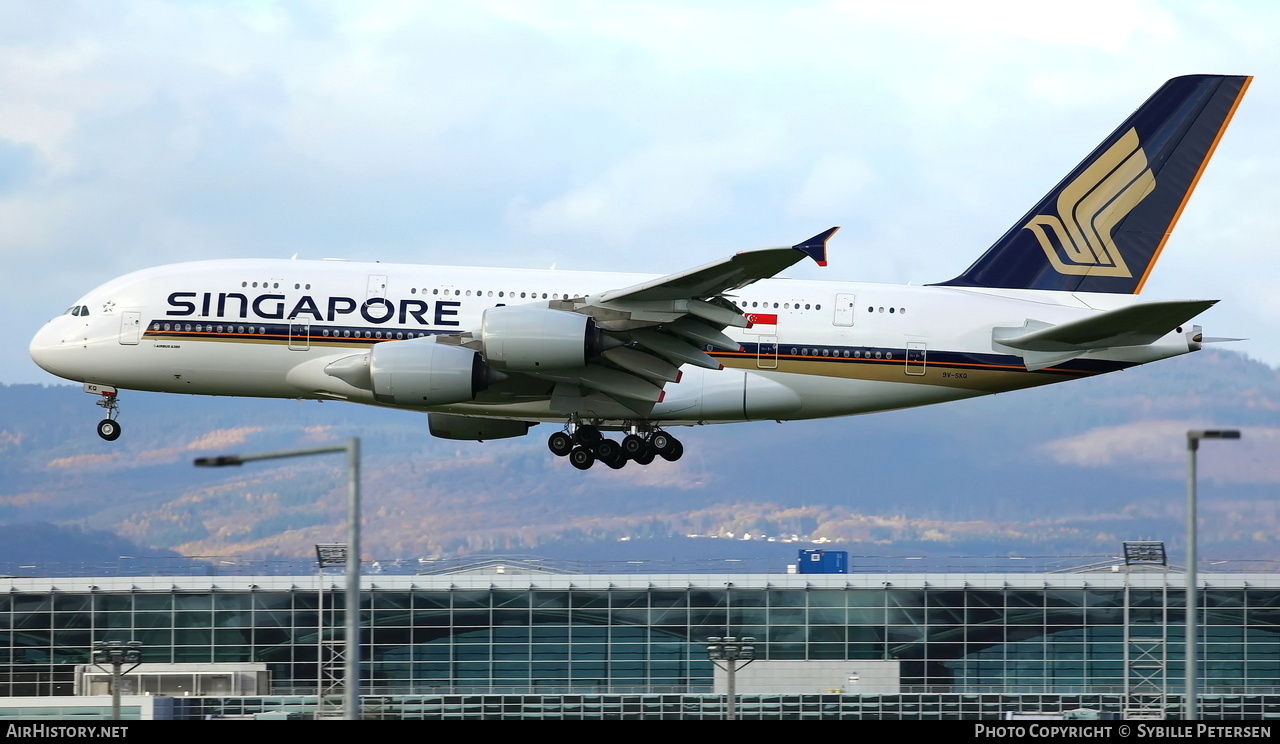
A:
{"x": 836, "y": 181}
{"x": 664, "y": 185}
{"x": 1159, "y": 447}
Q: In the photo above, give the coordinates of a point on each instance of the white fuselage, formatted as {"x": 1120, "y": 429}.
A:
{"x": 269, "y": 328}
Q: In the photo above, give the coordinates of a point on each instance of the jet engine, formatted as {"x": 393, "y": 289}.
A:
{"x": 416, "y": 373}
{"x": 447, "y": 426}
{"x": 537, "y": 338}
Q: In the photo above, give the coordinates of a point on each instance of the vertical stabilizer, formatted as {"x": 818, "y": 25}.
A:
{"x": 1102, "y": 228}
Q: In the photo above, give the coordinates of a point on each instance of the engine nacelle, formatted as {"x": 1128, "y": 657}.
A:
{"x": 538, "y": 338}
{"x": 416, "y": 373}
{"x": 447, "y": 426}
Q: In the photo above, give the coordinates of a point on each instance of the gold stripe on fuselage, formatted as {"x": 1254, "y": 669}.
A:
{"x": 987, "y": 378}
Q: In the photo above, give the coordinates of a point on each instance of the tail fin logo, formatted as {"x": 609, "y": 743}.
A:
{"x": 1078, "y": 239}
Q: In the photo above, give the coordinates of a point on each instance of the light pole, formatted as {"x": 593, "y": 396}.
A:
{"x": 352, "y": 448}
{"x": 117, "y": 654}
{"x": 1194, "y": 436}
{"x": 328, "y": 555}
{"x": 730, "y": 651}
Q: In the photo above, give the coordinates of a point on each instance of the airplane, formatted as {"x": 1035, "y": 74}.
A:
{"x": 489, "y": 353}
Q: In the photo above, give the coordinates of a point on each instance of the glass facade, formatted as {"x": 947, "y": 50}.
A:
{"x": 584, "y": 634}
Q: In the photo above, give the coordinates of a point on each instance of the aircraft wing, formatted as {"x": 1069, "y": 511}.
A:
{"x": 650, "y": 329}
{"x": 725, "y": 275}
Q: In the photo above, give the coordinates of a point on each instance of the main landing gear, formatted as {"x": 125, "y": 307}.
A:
{"x": 108, "y": 428}
{"x": 585, "y": 445}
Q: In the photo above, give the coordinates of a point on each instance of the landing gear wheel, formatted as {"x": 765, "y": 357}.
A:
{"x": 607, "y": 449}
{"x": 560, "y": 444}
{"x": 633, "y": 445}
{"x": 661, "y": 442}
{"x": 587, "y": 435}
{"x": 582, "y": 459}
{"x": 610, "y": 453}
{"x": 674, "y": 452}
{"x": 646, "y": 456}
{"x": 109, "y": 430}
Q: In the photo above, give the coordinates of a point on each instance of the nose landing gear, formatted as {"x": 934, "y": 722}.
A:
{"x": 108, "y": 428}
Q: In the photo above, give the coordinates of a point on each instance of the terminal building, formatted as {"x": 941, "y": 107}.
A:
{"x": 511, "y": 641}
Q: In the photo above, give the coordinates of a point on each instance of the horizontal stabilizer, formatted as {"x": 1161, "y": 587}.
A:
{"x": 1136, "y": 325}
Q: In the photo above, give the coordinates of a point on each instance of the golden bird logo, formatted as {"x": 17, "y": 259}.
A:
{"x": 1078, "y": 239}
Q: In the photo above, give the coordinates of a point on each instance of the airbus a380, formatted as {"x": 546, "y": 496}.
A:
{"x": 489, "y": 353}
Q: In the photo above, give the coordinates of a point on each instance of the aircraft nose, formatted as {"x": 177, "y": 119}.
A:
{"x": 54, "y": 351}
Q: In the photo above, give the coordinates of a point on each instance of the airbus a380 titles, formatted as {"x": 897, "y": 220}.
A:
{"x": 489, "y": 353}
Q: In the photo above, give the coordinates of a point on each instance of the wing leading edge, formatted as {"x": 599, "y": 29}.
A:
{"x": 725, "y": 275}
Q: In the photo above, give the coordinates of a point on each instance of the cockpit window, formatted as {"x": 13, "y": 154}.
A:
{"x": 77, "y": 310}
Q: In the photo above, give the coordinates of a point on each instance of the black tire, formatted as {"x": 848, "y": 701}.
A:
{"x": 607, "y": 449}
{"x": 587, "y": 435}
{"x": 582, "y": 459}
{"x": 109, "y": 429}
{"x": 560, "y": 444}
{"x": 633, "y": 445}
{"x": 618, "y": 462}
{"x": 661, "y": 442}
{"x": 645, "y": 457}
{"x": 674, "y": 452}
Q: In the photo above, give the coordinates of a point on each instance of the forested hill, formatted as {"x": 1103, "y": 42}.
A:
{"x": 1069, "y": 469}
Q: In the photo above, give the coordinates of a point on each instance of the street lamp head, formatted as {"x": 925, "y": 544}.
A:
{"x": 217, "y": 462}
{"x": 1195, "y": 435}
{"x": 1213, "y": 434}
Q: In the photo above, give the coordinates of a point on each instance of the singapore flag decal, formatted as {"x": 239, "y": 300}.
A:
{"x": 762, "y": 322}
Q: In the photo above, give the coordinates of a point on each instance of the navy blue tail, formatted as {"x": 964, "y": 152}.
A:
{"x": 1103, "y": 227}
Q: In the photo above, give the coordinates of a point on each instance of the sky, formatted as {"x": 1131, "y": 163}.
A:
{"x": 632, "y": 136}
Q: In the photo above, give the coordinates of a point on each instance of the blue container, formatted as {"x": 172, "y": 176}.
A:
{"x": 824, "y": 562}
